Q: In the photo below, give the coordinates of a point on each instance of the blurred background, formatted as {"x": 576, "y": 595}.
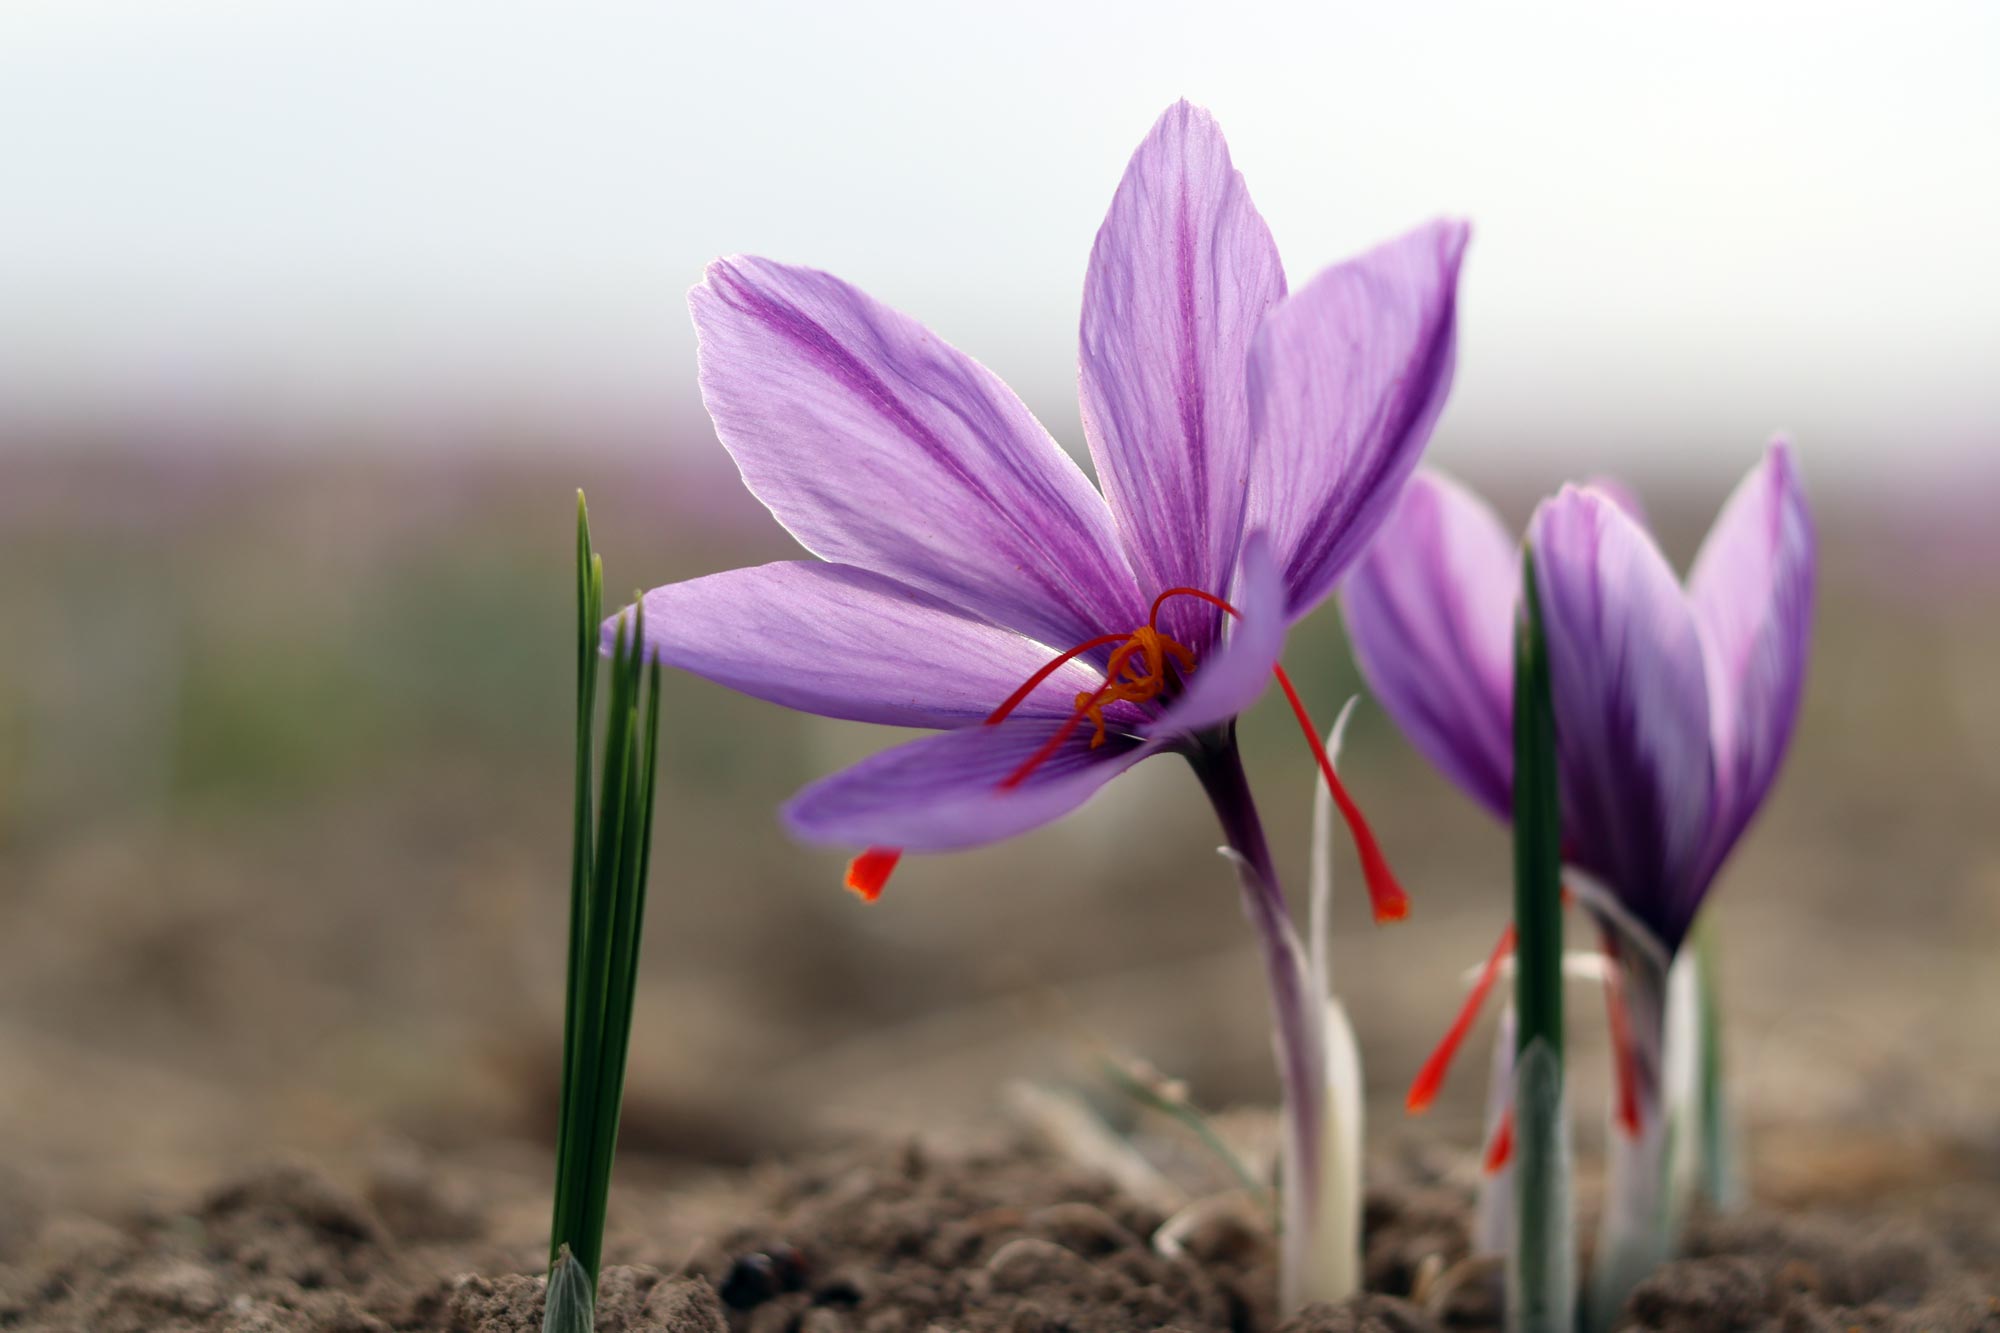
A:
{"x": 313, "y": 316}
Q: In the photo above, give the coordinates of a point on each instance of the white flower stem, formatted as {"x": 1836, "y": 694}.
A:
{"x": 1639, "y": 1227}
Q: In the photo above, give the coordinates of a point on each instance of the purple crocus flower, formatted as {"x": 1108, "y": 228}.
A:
{"x": 971, "y": 579}
{"x": 1673, "y": 705}
{"x": 1249, "y": 443}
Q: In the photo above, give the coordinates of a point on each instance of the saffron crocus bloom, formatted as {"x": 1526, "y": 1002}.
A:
{"x": 971, "y": 579}
{"x": 1249, "y": 443}
{"x": 1674, "y": 706}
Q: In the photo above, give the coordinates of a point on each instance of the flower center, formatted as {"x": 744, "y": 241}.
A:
{"x": 1135, "y": 673}
{"x": 1144, "y": 666}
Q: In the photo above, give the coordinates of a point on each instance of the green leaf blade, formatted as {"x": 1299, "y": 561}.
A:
{"x": 1541, "y": 1273}
{"x": 610, "y": 860}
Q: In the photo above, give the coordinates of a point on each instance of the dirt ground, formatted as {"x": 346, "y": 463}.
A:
{"x": 283, "y": 826}
{"x": 901, "y": 1237}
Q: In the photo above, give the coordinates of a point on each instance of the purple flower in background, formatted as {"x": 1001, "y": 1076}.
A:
{"x": 1673, "y": 705}
{"x": 1249, "y": 443}
{"x": 1673, "y": 709}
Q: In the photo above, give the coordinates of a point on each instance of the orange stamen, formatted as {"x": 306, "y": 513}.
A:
{"x": 1501, "y": 1150}
{"x": 868, "y": 872}
{"x": 1136, "y": 673}
{"x": 1384, "y": 893}
{"x": 1431, "y": 1077}
{"x": 1625, "y": 1058}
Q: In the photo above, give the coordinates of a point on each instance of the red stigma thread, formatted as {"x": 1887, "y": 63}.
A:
{"x": 1136, "y": 672}
{"x": 1501, "y": 1150}
{"x": 1384, "y": 893}
{"x": 1014, "y": 700}
{"x": 1624, "y": 1056}
{"x": 868, "y": 872}
{"x": 1431, "y": 1077}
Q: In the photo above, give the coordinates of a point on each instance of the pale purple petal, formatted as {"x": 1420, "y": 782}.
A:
{"x": 943, "y": 792}
{"x": 1238, "y": 670}
{"x": 1621, "y": 493}
{"x": 1430, "y": 617}
{"x": 1631, "y": 701}
{"x": 880, "y": 446}
{"x": 1346, "y": 378}
{"x": 842, "y": 642}
{"x": 1181, "y": 274}
{"x": 1752, "y": 591}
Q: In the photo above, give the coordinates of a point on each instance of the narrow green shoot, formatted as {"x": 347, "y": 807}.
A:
{"x": 611, "y": 850}
{"x": 1541, "y": 1286}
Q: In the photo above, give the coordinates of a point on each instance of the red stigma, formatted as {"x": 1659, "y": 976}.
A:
{"x": 999, "y": 714}
{"x": 1209, "y": 597}
{"x": 1431, "y": 1077}
{"x": 1624, "y": 1056}
{"x": 868, "y": 872}
{"x": 1501, "y": 1150}
{"x": 1137, "y": 673}
{"x": 1384, "y": 893}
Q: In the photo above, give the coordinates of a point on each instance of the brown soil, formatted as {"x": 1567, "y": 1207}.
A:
{"x": 888, "y": 1240}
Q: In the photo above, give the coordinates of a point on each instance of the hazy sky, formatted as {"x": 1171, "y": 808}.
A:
{"x": 1694, "y": 223}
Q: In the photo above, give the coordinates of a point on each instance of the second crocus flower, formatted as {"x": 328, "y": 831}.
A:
{"x": 1674, "y": 707}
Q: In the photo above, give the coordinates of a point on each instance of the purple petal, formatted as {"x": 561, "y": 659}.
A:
{"x": 944, "y": 792}
{"x": 842, "y": 642}
{"x": 1182, "y": 272}
{"x": 881, "y": 447}
{"x": 1346, "y": 378}
{"x": 1752, "y": 591}
{"x": 1430, "y": 616}
{"x": 1631, "y": 700}
{"x": 1620, "y": 492}
{"x": 1238, "y": 669}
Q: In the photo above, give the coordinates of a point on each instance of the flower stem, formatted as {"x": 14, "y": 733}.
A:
{"x": 1719, "y": 1184}
{"x": 1638, "y": 1229}
{"x": 1299, "y": 1015}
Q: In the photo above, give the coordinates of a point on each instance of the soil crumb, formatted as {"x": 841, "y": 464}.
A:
{"x": 896, "y": 1239}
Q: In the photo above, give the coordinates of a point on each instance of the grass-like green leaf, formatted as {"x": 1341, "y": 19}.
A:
{"x": 1541, "y": 1274}
{"x": 610, "y": 857}
{"x": 1541, "y": 1281}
